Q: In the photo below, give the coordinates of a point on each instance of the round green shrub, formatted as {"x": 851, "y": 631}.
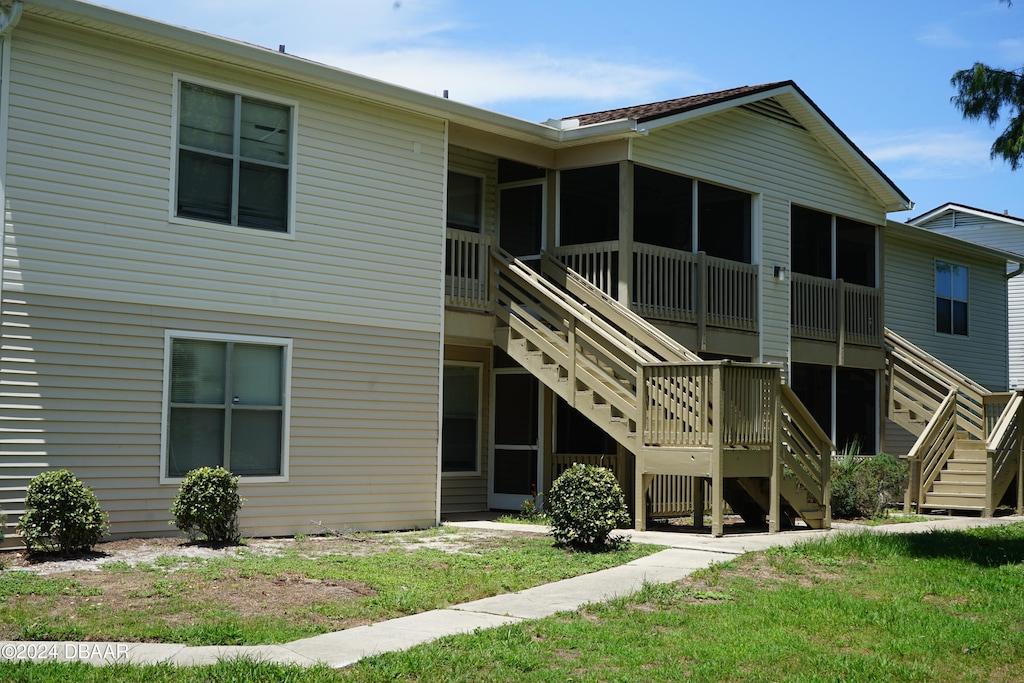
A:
{"x": 585, "y": 505}
{"x": 62, "y": 514}
{"x": 207, "y": 505}
{"x": 867, "y": 486}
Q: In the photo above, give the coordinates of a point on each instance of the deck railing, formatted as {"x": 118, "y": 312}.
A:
{"x": 674, "y": 285}
{"x": 466, "y": 269}
{"x": 836, "y": 311}
{"x": 598, "y": 262}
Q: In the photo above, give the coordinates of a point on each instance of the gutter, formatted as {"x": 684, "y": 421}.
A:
{"x": 10, "y": 19}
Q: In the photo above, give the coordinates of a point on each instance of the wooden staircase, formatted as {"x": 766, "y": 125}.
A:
{"x": 677, "y": 414}
{"x": 968, "y": 448}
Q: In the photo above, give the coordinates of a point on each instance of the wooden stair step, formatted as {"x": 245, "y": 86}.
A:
{"x": 955, "y": 501}
{"x": 958, "y": 487}
{"x": 962, "y": 465}
{"x": 962, "y": 476}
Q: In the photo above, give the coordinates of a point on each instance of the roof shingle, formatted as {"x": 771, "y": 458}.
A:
{"x": 658, "y": 110}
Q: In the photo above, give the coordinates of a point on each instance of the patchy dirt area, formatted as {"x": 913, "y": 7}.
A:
{"x": 133, "y": 552}
{"x": 163, "y": 551}
{"x": 145, "y": 580}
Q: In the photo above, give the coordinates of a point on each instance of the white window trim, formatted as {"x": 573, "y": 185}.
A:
{"x": 286, "y": 347}
{"x": 951, "y": 298}
{"x": 293, "y": 106}
{"x": 479, "y": 419}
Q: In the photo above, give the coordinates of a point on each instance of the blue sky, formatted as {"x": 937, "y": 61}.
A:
{"x": 879, "y": 70}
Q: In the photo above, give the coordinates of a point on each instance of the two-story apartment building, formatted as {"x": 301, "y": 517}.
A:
{"x": 355, "y": 295}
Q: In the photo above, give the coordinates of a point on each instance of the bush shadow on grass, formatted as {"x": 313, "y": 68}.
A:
{"x": 985, "y": 547}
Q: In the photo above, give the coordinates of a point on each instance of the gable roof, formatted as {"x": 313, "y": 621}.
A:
{"x": 795, "y": 102}
{"x": 950, "y": 207}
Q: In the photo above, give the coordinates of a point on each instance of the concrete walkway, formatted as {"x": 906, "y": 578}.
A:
{"x": 686, "y": 552}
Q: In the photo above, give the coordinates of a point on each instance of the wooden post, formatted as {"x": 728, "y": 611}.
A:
{"x": 826, "y": 483}
{"x": 626, "y": 234}
{"x": 702, "y": 300}
{"x": 717, "y": 480}
{"x": 571, "y": 340}
{"x": 775, "y": 483}
{"x": 1020, "y": 462}
{"x": 990, "y": 507}
{"x": 841, "y": 320}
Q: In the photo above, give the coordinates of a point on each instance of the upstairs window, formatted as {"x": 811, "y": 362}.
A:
{"x": 950, "y": 298}
{"x": 234, "y": 159}
{"x": 677, "y": 212}
{"x": 465, "y": 202}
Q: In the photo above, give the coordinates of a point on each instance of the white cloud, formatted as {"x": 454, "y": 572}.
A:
{"x": 930, "y": 154}
{"x": 941, "y": 36}
{"x": 1012, "y": 50}
{"x": 487, "y": 78}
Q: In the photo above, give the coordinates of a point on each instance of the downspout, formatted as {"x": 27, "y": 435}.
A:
{"x": 8, "y": 20}
{"x": 1020, "y": 269}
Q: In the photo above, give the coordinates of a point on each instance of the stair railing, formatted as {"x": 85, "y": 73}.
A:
{"x": 920, "y": 381}
{"x": 1004, "y": 450}
{"x": 806, "y": 448}
{"x": 621, "y": 358}
{"x": 933, "y": 448}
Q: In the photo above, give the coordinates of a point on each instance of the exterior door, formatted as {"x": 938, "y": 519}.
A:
{"x": 515, "y": 472}
{"x": 521, "y": 220}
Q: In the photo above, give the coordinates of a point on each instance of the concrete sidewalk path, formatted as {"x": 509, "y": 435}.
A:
{"x": 686, "y": 553}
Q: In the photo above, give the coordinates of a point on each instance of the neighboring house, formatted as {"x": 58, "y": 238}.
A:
{"x": 948, "y": 297}
{"x": 217, "y": 253}
{"x": 999, "y": 231}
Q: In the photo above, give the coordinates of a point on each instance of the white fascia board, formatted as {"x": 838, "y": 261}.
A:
{"x": 930, "y": 237}
{"x": 243, "y": 54}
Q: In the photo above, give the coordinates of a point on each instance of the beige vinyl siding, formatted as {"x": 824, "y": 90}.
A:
{"x": 89, "y": 178}
{"x": 992, "y": 232}
{"x": 82, "y": 385}
{"x": 461, "y": 493}
{"x": 783, "y": 164}
{"x": 910, "y": 309}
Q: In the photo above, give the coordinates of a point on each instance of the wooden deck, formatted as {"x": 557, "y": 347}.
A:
{"x": 677, "y": 415}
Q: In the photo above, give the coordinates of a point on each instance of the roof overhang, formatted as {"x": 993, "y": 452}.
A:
{"x": 931, "y": 238}
{"x": 246, "y": 55}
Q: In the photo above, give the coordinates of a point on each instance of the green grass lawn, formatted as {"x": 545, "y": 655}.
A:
{"x": 943, "y": 606}
{"x": 308, "y": 587}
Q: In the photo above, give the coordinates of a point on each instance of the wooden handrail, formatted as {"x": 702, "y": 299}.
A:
{"x": 807, "y": 449}
{"x": 939, "y": 369}
{"x": 631, "y": 324}
{"x": 935, "y": 445}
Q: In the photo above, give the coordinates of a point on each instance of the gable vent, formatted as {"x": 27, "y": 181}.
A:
{"x": 771, "y": 109}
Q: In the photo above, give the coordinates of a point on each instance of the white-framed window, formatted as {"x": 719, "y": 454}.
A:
{"x": 234, "y": 157}
{"x": 465, "y": 202}
{"x": 226, "y": 402}
{"x": 950, "y": 298}
{"x": 460, "y": 426}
